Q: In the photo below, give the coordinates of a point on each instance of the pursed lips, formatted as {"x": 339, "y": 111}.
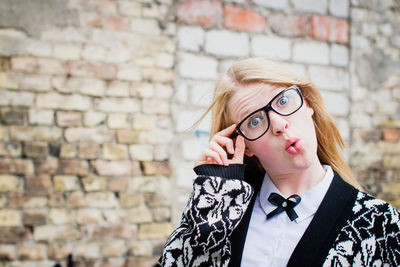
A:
{"x": 293, "y": 146}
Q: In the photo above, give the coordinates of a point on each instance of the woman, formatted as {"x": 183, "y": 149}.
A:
{"x": 272, "y": 188}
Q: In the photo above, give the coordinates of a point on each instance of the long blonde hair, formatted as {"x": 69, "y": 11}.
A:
{"x": 261, "y": 70}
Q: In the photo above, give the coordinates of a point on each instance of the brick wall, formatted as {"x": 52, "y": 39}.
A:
{"x": 96, "y": 97}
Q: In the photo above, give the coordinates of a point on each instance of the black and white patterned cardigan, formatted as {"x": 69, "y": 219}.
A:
{"x": 350, "y": 228}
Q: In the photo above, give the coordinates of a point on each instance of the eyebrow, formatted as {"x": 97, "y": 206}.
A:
{"x": 247, "y": 111}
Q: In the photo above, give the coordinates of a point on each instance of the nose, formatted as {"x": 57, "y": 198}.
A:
{"x": 278, "y": 123}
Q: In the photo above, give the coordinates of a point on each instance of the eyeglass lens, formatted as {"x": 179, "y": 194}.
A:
{"x": 285, "y": 103}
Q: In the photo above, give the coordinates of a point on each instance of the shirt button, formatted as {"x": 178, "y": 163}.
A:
{"x": 284, "y": 204}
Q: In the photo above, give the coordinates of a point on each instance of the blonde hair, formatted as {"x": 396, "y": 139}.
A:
{"x": 261, "y": 70}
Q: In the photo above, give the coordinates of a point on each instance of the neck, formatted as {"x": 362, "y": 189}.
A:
{"x": 298, "y": 182}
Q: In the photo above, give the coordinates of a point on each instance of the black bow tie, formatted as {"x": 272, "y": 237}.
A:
{"x": 284, "y": 204}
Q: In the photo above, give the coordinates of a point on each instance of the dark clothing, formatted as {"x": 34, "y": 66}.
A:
{"x": 350, "y": 228}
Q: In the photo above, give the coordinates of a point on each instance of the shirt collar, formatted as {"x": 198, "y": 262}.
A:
{"x": 310, "y": 200}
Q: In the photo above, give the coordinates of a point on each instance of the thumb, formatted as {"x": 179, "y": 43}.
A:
{"x": 239, "y": 150}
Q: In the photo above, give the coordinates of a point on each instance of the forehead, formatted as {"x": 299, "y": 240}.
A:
{"x": 249, "y": 98}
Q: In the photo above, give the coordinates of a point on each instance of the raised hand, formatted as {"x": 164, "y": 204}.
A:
{"x": 215, "y": 153}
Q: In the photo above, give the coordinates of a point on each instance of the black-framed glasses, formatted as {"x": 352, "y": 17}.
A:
{"x": 256, "y": 124}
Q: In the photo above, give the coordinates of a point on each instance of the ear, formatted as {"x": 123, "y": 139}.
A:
{"x": 247, "y": 152}
{"x": 309, "y": 108}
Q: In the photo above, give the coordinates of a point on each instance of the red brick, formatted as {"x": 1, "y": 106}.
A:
{"x": 242, "y": 19}
{"x": 16, "y": 166}
{"x": 329, "y": 28}
{"x": 35, "y": 149}
{"x": 25, "y": 64}
{"x": 118, "y": 184}
{"x": 40, "y": 184}
{"x": 117, "y": 23}
{"x": 73, "y": 166}
{"x": 88, "y": 151}
{"x": 48, "y": 165}
{"x": 15, "y": 200}
{"x": 80, "y": 68}
{"x": 204, "y": 12}
{"x": 156, "y": 168}
{"x": 390, "y": 134}
{"x": 34, "y": 217}
{"x": 104, "y": 71}
{"x": 14, "y": 235}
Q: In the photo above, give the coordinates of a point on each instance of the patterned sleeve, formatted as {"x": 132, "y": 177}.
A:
{"x": 370, "y": 238}
{"x": 215, "y": 208}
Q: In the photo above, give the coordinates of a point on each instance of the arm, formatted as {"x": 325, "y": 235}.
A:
{"x": 215, "y": 208}
{"x": 217, "y": 204}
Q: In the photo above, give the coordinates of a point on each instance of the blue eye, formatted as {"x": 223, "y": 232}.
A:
{"x": 254, "y": 122}
{"x": 283, "y": 100}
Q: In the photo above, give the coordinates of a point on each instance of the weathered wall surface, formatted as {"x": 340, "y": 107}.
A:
{"x": 375, "y": 96}
{"x": 96, "y": 97}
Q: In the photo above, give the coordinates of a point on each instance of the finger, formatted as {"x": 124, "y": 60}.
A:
{"x": 221, "y": 152}
{"x": 224, "y": 141}
{"x": 208, "y": 153}
{"x": 239, "y": 150}
{"x": 227, "y": 131}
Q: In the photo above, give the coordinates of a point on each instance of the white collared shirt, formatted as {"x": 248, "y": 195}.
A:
{"x": 272, "y": 242}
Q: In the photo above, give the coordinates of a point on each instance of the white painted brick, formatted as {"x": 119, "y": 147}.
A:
{"x": 181, "y": 92}
{"x": 37, "y": 83}
{"x": 39, "y": 48}
{"x": 25, "y": 99}
{"x": 164, "y": 60}
{"x": 236, "y": 1}
{"x": 192, "y": 148}
{"x": 117, "y": 121}
{"x": 129, "y": 8}
{"x": 186, "y": 118}
{"x": 336, "y": 104}
{"x": 90, "y": 87}
{"x": 90, "y": 135}
{"x": 339, "y": 8}
{"x": 129, "y": 72}
{"x": 42, "y": 117}
{"x": 65, "y": 102}
{"x": 274, "y": 4}
{"x": 344, "y": 128}
{"x": 67, "y": 51}
{"x": 145, "y": 26}
{"x": 317, "y": 6}
{"x": 202, "y": 93}
{"x": 339, "y": 55}
{"x": 185, "y": 174}
{"x": 271, "y": 47}
{"x": 118, "y": 53}
{"x": 360, "y": 120}
{"x": 94, "y": 52}
{"x": 191, "y": 38}
{"x": 224, "y": 65}
{"x": 92, "y": 118}
{"x": 156, "y": 106}
{"x": 311, "y": 52}
{"x": 141, "y": 152}
{"x": 118, "y": 105}
{"x": 163, "y": 91}
{"x": 227, "y": 43}
{"x": 197, "y": 67}
{"x": 296, "y": 69}
{"x": 329, "y": 78}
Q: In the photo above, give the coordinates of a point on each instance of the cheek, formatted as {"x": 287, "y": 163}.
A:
{"x": 261, "y": 148}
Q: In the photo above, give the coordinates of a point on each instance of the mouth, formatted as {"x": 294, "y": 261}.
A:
{"x": 293, "y": 146}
